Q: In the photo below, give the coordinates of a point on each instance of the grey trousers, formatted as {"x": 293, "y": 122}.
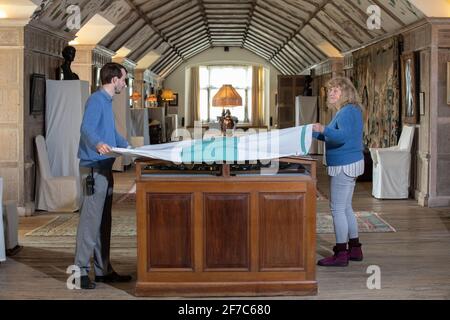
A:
{"x": 94, "y": 228}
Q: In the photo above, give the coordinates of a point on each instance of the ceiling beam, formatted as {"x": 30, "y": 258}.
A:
{"x": 393, "y": 16}
{"x": 150, "y": 23}
{"x": 350, "y": 18}
{"x": 249, "y": 21}
{"x": 300, "y": 28}
{"x": 154, "y": 42}
{"x": 205, "y": 19}
{"x": 185, "y": 27}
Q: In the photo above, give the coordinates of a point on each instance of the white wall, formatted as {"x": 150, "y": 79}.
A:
{"x": 178, "y": 79}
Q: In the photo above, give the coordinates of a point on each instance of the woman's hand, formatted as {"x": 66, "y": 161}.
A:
{"x": 317, "y": 127}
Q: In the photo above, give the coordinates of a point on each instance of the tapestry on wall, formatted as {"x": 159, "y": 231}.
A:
{"x": 376, "y": 77}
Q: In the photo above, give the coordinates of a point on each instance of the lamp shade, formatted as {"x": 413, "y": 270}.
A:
{"x": 167, "y": 95}
{"x": 152, "y": 98}
{"x": 136, "y": 96}
{"x": 227, "y": 96}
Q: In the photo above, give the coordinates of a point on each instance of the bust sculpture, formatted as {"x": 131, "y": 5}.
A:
{"x": 64, "y": 71}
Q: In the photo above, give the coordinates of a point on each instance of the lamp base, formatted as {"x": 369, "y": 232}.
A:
{"x": 226, "y": 121}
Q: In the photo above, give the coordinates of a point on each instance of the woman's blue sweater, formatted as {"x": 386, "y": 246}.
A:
{"x": 343, "y": 136}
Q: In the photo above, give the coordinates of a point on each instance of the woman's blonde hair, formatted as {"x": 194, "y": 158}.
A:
{"x": 349, "y": 93}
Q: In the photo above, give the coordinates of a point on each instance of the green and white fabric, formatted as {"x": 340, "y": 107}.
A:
{"x": 295, "y": 141}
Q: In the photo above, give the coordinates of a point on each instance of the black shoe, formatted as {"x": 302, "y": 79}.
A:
{"x": 86, "y": 283}
{"x": 13, "y": 251}
{"x": 113, "y": 277}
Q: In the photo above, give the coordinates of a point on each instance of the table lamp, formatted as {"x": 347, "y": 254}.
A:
{"x": 166, "y": 96}
{"x": 226, "y": 97}
{"x": 151, "y": 99}
{"x": 136, "y": 96}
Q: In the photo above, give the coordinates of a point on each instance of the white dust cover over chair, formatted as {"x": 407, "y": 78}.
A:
{"x": 391, "y": 168}
{"x": 65, "y": 103}
{"x": 54, "y": 194}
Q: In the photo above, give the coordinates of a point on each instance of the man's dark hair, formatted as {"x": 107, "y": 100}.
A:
{"x": 111, "y": 70}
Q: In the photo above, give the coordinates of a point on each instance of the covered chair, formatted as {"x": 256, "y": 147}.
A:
{"x": 391, "y": 168}
{"x": 54, "y": 194}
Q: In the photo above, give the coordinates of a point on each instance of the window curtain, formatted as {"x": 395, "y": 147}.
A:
{"x": 257, "y": 96}
{"x": 194, "y": 96}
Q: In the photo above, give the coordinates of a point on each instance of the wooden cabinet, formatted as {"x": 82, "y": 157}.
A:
{"x": 207, "y": 235}
{"x": 288, "y": 88}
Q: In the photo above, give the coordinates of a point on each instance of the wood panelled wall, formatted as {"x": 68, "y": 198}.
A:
{"x": 432, "y": 42}
{"x": 42, "y": 54}
{"x": 11, "y": 112}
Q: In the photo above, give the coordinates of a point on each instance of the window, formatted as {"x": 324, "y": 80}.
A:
{"x": 211, "y": 80}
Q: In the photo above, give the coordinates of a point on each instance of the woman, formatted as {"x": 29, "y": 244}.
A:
{"x": 345, "y": 160}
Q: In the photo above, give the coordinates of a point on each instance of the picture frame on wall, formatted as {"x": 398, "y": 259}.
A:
{"x": 409, "y": 94}
{"x": 174, "y": 102}
{"x": 37, "y": 94}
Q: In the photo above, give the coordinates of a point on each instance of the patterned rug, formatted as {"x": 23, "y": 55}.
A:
{"x": 125, "y": 225}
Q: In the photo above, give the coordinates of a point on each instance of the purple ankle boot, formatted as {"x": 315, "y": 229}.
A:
{"x": 355, "y": 252}
{"x": 339, "y": 259}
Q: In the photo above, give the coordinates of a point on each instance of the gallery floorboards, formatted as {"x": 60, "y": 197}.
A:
{"x": 414, "y": 261}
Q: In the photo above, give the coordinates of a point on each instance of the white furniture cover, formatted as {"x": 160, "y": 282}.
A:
{"x": 139, "y": 125}
{"x": 391, "y": 168}
{"x": 171, "y": 126}
{"x": 54, "y": 194}
{"x": 65, "y": 103}
{"x": 10, "y": 224}
{"x": 2, "y": 235}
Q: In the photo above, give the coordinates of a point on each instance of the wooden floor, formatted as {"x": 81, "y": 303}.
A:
{"x": 414, "y": 261}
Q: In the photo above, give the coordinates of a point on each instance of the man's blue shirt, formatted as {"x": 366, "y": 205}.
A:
{"x": 98, "y": 126}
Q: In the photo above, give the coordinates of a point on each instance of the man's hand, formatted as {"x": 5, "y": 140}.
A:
{"x": 317, "y": 127}
{"x": 103, "y": 148}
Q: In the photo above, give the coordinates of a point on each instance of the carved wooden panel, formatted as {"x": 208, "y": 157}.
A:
{"x": 11, "y": 37}
{"x": 9, "y": 144}
{"x": 281, "y": 218}
{"x": 9, "y": 105}
{"x": 11, "y": 184}
{"x": 226, "y": 221}
{"x": 444, "y": 38}
{"x": 170, "y": 232}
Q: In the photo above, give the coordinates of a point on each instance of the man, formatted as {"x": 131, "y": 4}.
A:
{"x": 98, "y": 136}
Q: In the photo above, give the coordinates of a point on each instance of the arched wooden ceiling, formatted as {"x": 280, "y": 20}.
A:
{"x": 291, "y": 34}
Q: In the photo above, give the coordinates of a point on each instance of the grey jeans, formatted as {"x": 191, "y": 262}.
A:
{"x": 94, "y": 228}
{"x": 344, "y": 220}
